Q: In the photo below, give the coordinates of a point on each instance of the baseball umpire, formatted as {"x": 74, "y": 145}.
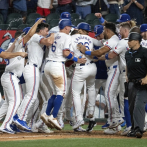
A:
{"x": 136, "y": 60}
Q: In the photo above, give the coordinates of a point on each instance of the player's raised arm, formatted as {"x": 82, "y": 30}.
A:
{"x": 32, "y": 30}
{"x": 47, "y": 41}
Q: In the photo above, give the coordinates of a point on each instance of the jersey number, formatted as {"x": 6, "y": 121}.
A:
{"x": 54, "y": 46}
{"x": 86, "y": 44}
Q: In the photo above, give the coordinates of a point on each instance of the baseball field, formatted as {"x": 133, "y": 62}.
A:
{"x": 68, "y": 138}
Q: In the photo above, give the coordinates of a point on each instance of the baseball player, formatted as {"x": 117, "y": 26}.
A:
{"x": 55, "y": 70}
{"x": 120, "y": 51}
{"x": 82, "y": 74}
{"x": 143, "y": 29}
{"x": 10, "y": 80}
{"x": 31, "y": 71}
{"x": 113, "y": 71}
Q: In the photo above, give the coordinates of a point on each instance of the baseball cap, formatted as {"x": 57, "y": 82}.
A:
{"x": 65, "y": 15}
{"x": 39, "y": 18}
{"x": 98, "y": 29}
{"x": 123, "y": 18}
{"x": 26, "y": 30}
{"x": 134, "y": 36}
{"x": 143, "y": 28}
{"x": 64, "y": 22}
{"x": 84, "y": 26}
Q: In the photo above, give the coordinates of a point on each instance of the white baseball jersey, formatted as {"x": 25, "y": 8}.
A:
{"x": 62, "y": 42}
{"x": 121, "y": 49}
{"x": 98, "y": 42}
{"x": 111, "y": 44}
{"x": 16, "y": 65}
{"x": 35, "y": 50}
{"x": 84, "y": 40}
{"x": 144, "y": 43}
{"x": 54, "y": 30}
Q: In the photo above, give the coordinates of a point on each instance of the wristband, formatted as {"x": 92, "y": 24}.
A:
{"x": 106, "y": 56}
{"x": 69, "y": 56}
{"x": 87, "y": 52}
{"x": 102, "y": 20}
{"x": 95, "y": 57}
{"x": 75, "y": 59}
{"x": 80, "y": 57}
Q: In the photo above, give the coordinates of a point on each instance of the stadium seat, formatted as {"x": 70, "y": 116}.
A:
{"x": 32, "y": 17}
{"x": 111, "y": 18}
{"x": 75, "y": 16}
{"x": 1, "y": 18}
{"x": 77, "y": 21}
{"x": 51, "y": 17}
{"x": 90, "y": 16}
{"x": 54, "y": 23}
{"x": 22, "y": 26}
{"x": 4, "y": 26}
{"x": 14, "y": 20}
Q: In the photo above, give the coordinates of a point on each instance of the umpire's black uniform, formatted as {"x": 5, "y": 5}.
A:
{"x": 136, "y": 61}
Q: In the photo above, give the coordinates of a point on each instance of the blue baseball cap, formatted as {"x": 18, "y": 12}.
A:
{"x": 123, "y": 18}
{"x": 65, "y": 22}
{"x": 143, "y": 28}
{"x": 39, "y": 18}
{"x": 26, "y": 30}
{"x": 65, "y": 15}
{"x": 98, "y": 29}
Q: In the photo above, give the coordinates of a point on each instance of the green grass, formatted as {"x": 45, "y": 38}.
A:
{"x": 91, "y": 142}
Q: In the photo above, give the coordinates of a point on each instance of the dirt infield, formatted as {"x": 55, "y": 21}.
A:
{"x": 59, "y": 135}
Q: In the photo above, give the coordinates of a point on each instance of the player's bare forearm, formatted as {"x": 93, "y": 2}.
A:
{"x": 9, "y": 55}
{"x": 102, "y": 58}
{"x": 100, "y": 105}
{"x": 112, "y": 55}
{"x": 47, "y": 41}
{"x": 32, "y": 31}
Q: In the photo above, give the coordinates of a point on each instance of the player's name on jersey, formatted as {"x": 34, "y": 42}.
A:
{"x": 82, "y": 37}
{"x": 57, "y": 37}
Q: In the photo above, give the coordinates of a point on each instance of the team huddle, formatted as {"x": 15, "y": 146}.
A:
{"x": 42, "y": 85}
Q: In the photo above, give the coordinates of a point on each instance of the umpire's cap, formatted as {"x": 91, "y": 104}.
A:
{"x": 64, "y": 22}
{"x": 143, "y": 28}
{"x": 84, "y": 26}
{"x": 134, "y": 36}
{"x": 98, "y": 29}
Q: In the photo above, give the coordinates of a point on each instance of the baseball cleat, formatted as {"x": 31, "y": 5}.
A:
{"x": 22, "y": 124}
{"x": 126, "y": 131}
{"x": 123, "y": 124}
{"x": 91, "y": 125}
{"x": 44, "y": 118}
{"x": 44, "y": 129}
{"x": 14, "y": 128}
{"x": 105, "y": 126}
{"x": 131, "y": 133}
{"x": 116, "y": 123}
{"x": 9, "y": 131}
{"x": 15, "y": 117}
{"x": 78, "y": 124}
{"x": 61, "y": 123}
{"x": 80, "y": 129}
{"x": 112, "y": 131}
{"x": 34, "y": 128}
{"x": 54, "y": 122}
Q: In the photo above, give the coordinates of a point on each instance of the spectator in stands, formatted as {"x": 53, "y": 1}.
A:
{"x": 44, "y": 7}
{"x": 83, "y": 8}
{"x": 135, "y": 9}
{"x": 64, "y": 5}
{"x": 100, "y": 6}
{"x": 20, "y": 6}
{"x": 114, "y": 7}
{"x": 31, "y": 6}
{"x": 4, "y": 5}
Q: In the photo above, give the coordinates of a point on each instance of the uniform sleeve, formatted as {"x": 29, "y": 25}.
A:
{"x": 110, "y": 44}
{"x": 37, "y": 38}
{"x": 67, "y": 43}
{"x": 1, "y": 50}
{"x": 119, "y": 48}
{"x": 145, "y": 56}
{"x": 97, "y": 42}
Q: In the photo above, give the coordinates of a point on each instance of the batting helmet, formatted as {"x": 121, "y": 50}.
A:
{"x": 143, "y": 28}
{"x": 84, "y": 26}
{"x": 98, "y": 29}
{"x": 64, "y": 22}
{"x": 65, "y": 15}
{"x": 26, "y": 30}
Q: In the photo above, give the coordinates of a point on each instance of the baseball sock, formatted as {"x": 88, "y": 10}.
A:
{"x": 127, "y": 113}
{"x": 146, "y": 108}
{"x": 50, "y": 104}
{"x": 57, "y": 104}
